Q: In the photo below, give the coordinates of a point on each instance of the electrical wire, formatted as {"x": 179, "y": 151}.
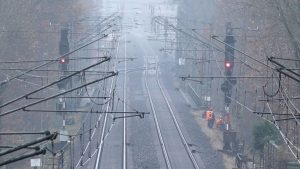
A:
{"x": 212, "y": 45}
{"x": 97, "y": 123}
{"x": 285, "y": 95}
{"x": 87, "y": 92}
{"x": 72, "y": 136}
{"x": 31, "y": 83}
{"x": 127, "y": 104}
{"x": 95, "y": 152}
{"x": 286, "y": 139}
{"x": 51, "y": 62}
{"x": 277, "y": 90}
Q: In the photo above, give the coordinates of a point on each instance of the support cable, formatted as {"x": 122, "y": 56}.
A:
{"x": 55, "y": 95}
{"x": 67, "y": 54}
{"x": 55, "y": 82}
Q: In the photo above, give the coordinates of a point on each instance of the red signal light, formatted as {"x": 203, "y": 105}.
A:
{"x": 228, "y": 65}
{"x": 62, "y": 60}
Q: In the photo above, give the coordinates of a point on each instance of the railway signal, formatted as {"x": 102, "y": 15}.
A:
{"x": 229, "y": 51}
{"x": 228, "y": 68}
{"x": 226, "y": 87}
{"x": 228, "y": 65}
{"x": 63, "y": 49}
{"x": 62, "y": 60}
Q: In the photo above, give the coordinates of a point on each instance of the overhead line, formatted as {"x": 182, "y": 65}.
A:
{"x": 69, "y": 53}
{"x": 55, "y": 95}
{"x": 207, "y": 44}
{"x": 231, "y": 77}
{"x": 96, "y": 29}
{"x": 54, "y": 70}
{"x": 43, "y": 151}
{"x": 243, "y": 53}
{"x": 55, "y": 82}
{"x": 75, "y": 97}
{"x": 50, "y": 60}
{"x": 48, "y": 137}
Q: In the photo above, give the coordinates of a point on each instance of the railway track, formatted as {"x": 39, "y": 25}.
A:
{"x": 158, "y": 129}
{"x": 170, "y": 135}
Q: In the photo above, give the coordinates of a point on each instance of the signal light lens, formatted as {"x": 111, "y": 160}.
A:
{"x": 62, "y": 60}
{"x": 227, "y": 65}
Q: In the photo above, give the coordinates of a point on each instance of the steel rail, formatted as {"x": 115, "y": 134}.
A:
{"x": 158, "y": 129}
{"x": 183, "y": 139}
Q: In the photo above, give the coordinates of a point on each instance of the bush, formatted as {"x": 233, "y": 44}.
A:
{"x": 263, "y": 132}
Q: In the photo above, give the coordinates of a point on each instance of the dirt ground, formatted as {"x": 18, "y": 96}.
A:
{"x": 216, "y": 139}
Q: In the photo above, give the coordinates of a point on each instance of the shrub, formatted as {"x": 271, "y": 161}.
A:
{"x": 263, "y": 132}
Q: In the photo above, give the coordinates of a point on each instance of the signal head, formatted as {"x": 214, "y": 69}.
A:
{"x": 228, "y": 65}
{"x": 62, "y": 60}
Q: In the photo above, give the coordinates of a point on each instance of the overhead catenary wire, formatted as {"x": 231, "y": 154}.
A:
{"x": 208, "y": 44}
{"x": 31, "y": 83}
{"x": 276, "y": 92}
{"x": 55, "y": 95}
{"x": 81, "y": 163}
{"x": 47, "y": 137}
{"x": 96, "y": 31}
{"x": 159, "y": 20}
{"x": 224, "y": 76}
{"x": 287, "y": 141}
{"x": 50, "y": 60}
{"x": 284, "y": 94}
{"x": 83, "y": 81}
{"x": 55, "y": 32}
{"x": 67, "y": 54}
{"x": 274, "y": 120}
{"x": 56, "y": 70}
{"x": 96, "y": 126}
{"x": 95, "y": 151}
{"x": 288, "y": 59}
{"x": 102, "y": 137}
{"x": 243, "y": 53}
{"x": 282, "y": 68}
{"x": 55, "y": 82}
{"x": 43, "y": 151}
{"x": 100, "y": 116}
